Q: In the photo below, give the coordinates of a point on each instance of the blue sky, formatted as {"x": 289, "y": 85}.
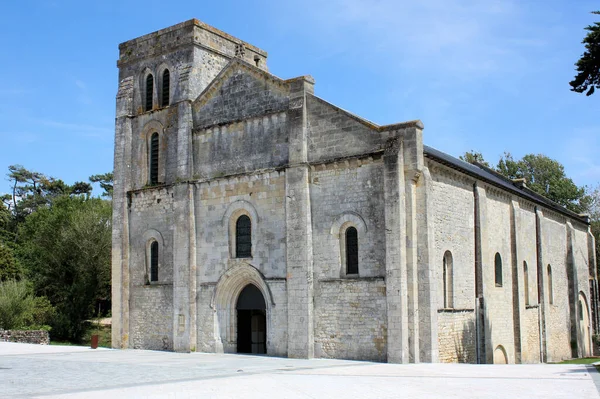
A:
{"x": 490, "y": 75}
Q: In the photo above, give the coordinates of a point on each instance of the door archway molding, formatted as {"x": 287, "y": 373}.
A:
{"x": 224, "y": 301}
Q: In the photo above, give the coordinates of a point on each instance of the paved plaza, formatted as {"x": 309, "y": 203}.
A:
{"x": 36, "y": 371}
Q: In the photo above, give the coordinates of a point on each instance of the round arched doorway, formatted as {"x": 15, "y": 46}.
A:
{"x": 251, "y": 321}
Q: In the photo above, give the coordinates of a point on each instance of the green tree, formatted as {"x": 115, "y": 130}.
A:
{"x": 546, "y": 177}
{"x": 65, "y": 252}
{"x": 594, "y": 211}
{"x": 106, "y": 182}
{"x": 20, "y": 309}
{"x": 474, "y": 157}
{"x": 588, "y": 66}
{"x": 5, "y": 221}
{"x": 9, "y": 268}
{"x": 33, "y": 190}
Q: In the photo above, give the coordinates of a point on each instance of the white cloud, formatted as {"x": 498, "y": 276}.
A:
{"x": 459, "y": 39}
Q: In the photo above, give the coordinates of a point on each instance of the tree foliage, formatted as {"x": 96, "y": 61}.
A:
{"x": 594, "y": 211}
{"x": 55, "y": 242}
{"x": 20, "y": 309}
{"x": 474, "y": 157}
{"x": 9, "y": 268}
{"x": 106, "y": 182}
{"x": 5, "y": 223}
{"x": 33, "y": 190}
{"x": 542, "y": 175}
{"x": 588, "y": 66}
{"x": 547, "y": 177}
{"x": 65, "y": 250}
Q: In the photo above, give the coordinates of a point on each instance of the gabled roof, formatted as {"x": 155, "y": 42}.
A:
{"x": 492, "y": 177}
{"x": 236, "y": 64}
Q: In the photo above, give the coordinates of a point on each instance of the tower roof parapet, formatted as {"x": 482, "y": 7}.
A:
{"x": 191, "y": 32}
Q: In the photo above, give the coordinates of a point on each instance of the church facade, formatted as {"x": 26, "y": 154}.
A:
{"x": 252, "y": 216}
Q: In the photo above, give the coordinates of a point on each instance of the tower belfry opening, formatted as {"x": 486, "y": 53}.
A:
{"x": 251, "y": 321}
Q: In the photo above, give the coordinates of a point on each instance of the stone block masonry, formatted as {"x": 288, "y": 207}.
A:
{"x": 238, "y": 178}
{"x": 350, "y": 319}
{"x": 25, "y": 336}
{"x": 457, "y": 336}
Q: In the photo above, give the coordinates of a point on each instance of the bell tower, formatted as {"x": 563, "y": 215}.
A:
{"x": 160, "y": 75}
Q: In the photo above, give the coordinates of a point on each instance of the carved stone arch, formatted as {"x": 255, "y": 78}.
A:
{"x": 159, "y": 82}
{"x": 224, "y": 301}
{"x": 142, "y": 87}
{"x": 338, "y": 230}
{"x": 500, "y": 356}
{"x": 347, "y": 219}
{"x": 149, "y": 237}
{"x": 233, "y": 212}
{"x": 147, "y": 131}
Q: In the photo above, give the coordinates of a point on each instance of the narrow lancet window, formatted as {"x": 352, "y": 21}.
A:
{"x": 550, "y": 293}
{"x": 526, "y": 282}
{"x": 448, "y": 278}
{"x": 351, "y": 250}
{"x": 243, "y": 237}
{"x": 165, "y": 88}
{"x": 154, "y": 261}
{"x": 498, "y": 270}
{"x": 154, "y": 147}
{"x": 149, "y": 92}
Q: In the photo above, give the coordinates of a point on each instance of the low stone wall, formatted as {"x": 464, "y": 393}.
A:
{"x": 26, "y": 337}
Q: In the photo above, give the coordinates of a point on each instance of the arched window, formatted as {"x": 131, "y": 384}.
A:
{"x": 154, "y": 261}
{"x": 498, "y": 270}
{"x": 526, "y": 282}
{"x": 165, "y": 88}
{"x": 448, "y": 279}
{"x": 351, "y": 250}
{"x": 347, "y": 229}
{"x": 550, "y": 293}
{"x": 243, "y": 237}
{"x": 153, "y": 158}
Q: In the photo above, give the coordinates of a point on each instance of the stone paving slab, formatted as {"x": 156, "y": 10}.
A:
{"x": 37, "y": 371}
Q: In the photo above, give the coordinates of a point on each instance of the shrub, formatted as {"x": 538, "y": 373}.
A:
{"x": 20, "y": 309}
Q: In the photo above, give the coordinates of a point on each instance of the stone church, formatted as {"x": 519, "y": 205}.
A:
{"x": 252, "y": 216}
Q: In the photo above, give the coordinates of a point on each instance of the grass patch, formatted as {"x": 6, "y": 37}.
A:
{"x": 103, "y": 332}
{"x": 583, "y": 360}
{"x": 63, "y": 343}
{"x": 104, "y": 336}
